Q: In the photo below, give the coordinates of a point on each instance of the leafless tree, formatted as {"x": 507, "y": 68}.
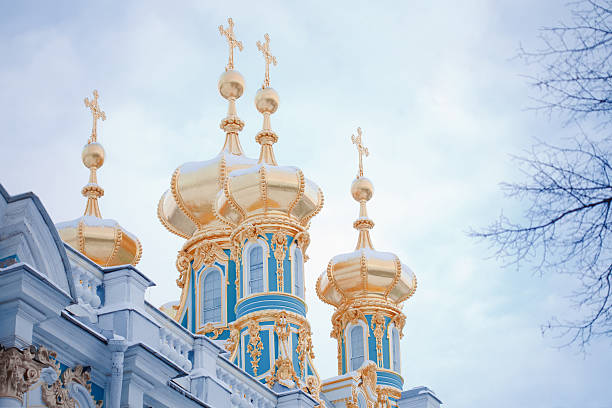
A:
{"x": 576, "y": 78}
{"x": 567, "y": 193}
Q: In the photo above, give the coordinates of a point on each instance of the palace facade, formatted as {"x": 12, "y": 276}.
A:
{"x": 76, "y": 330}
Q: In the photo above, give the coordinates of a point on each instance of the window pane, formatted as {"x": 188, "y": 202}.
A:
{"x": 356, "y": 351}
{"x": 211, "y": 302}
{"x": 396, "y": 350}
{"x": 256, "y": 270}
{"x": 298, "y": 262}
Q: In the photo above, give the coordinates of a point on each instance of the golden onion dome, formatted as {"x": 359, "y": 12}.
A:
{"x": 267, "y": 189}
{"x": 188, "y": 207}
{"x": 365, "y": 275}
{"x": 103, "y": 241}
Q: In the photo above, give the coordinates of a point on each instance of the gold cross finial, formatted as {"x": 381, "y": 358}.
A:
{"x": 270, "y": 59}
{"x": 231, "y": 40}
{"x": 97, "y": 113}
{"x": 361, "y": 149}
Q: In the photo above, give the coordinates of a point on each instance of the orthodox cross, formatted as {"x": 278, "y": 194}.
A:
{"x": 361, "y": 149}
{"x": 97, "y": 113}
{"x": 265, "y": 50}
{"x": 231, "y": 40}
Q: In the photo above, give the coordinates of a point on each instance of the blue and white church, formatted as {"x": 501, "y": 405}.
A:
{"x": 76, "y": 330}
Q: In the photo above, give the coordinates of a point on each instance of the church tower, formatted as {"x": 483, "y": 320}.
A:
{"x": 103, "y": 241}
{"x": 246, "y": 223}
{"x": 269, "y": 208}
{"x": 367, "y": 289}
{"x": 207, "y": 270}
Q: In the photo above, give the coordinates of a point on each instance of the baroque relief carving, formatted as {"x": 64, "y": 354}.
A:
{"x": 255, "y": 345}
{"x": 207, "y": 253}
{"x": 183, "y": 262}
{"x": 378, "y": 327}
{"x": 231, "y": 344}
{"x": 279, "y": 241}
{"x": 20, "y": 369}
{"x": 304, "y": 348}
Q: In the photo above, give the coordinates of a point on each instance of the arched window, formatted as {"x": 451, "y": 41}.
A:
{"x": 357, "y": 349}
{"x": 256, "y": 269}
{"x": 298, "y": 273}
{"x": 396, "y": 349}
{"x": 211, "y": 297}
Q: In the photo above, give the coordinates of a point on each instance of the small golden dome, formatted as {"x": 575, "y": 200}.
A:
{"x": 365, "y": 275}
{"x": 267, "y": 100}
{"x": 93, "y": 155}
{"x": 231, "y": 85}
{"x": 103, "y": 241}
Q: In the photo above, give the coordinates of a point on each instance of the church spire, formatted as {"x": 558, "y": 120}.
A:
{"x": 231, "y": 87}
{"x": 266, "y": 101}
{"x": 362, "y": 190}
{"x": 93, "y": 159}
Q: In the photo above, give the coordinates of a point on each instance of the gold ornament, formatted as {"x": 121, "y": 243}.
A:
{"x": 378, "y": 327}
{"x": 361, "y": 149}
{"x": 231, "y": 41}
{"x": 232, "y": 342}
{"x": 269, "y": 58}
{"x": 255, "y": 345}
{"x": 279, "y": 240}
{"x": 96, "y": 114}
{"x": 183, "y": 265}
{"x": 103, "y": 241}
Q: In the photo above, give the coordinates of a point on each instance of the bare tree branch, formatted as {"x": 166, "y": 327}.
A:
{"x": 566, "y": 229}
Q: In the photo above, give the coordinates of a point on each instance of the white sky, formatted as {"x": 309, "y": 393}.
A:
{"x": 442, "y": 105}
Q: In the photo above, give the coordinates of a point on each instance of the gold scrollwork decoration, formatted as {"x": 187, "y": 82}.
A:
{"x": 183, "y": 262}
{"x": 282, "y": 371}
{"x": 231, "y": 343}
{"x": 378, "y": 327}
{"x": 304, "y": 348}
{"x": 207, "y": 253}
{"x": 216, "y": 331}
{"x": 255, "y": 345}
{"x": 279, "y": 240}
{"x": 399, "y": 320}
{"x": 302, "y": 240}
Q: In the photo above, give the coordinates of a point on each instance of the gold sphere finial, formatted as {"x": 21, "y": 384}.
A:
{"x": 267, "y": 100}
{"x": 93, "y": 155}
{"x": 231, "y": 85}
{"x": 362, "y": 189}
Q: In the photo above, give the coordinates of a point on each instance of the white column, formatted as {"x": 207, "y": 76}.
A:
{"x": 117, "y": 346}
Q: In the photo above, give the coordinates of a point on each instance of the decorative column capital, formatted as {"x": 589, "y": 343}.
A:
{"x": 18, "y": 371}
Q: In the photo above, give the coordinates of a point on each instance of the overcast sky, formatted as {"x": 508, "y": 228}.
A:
{"x": 440, "y": 99}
